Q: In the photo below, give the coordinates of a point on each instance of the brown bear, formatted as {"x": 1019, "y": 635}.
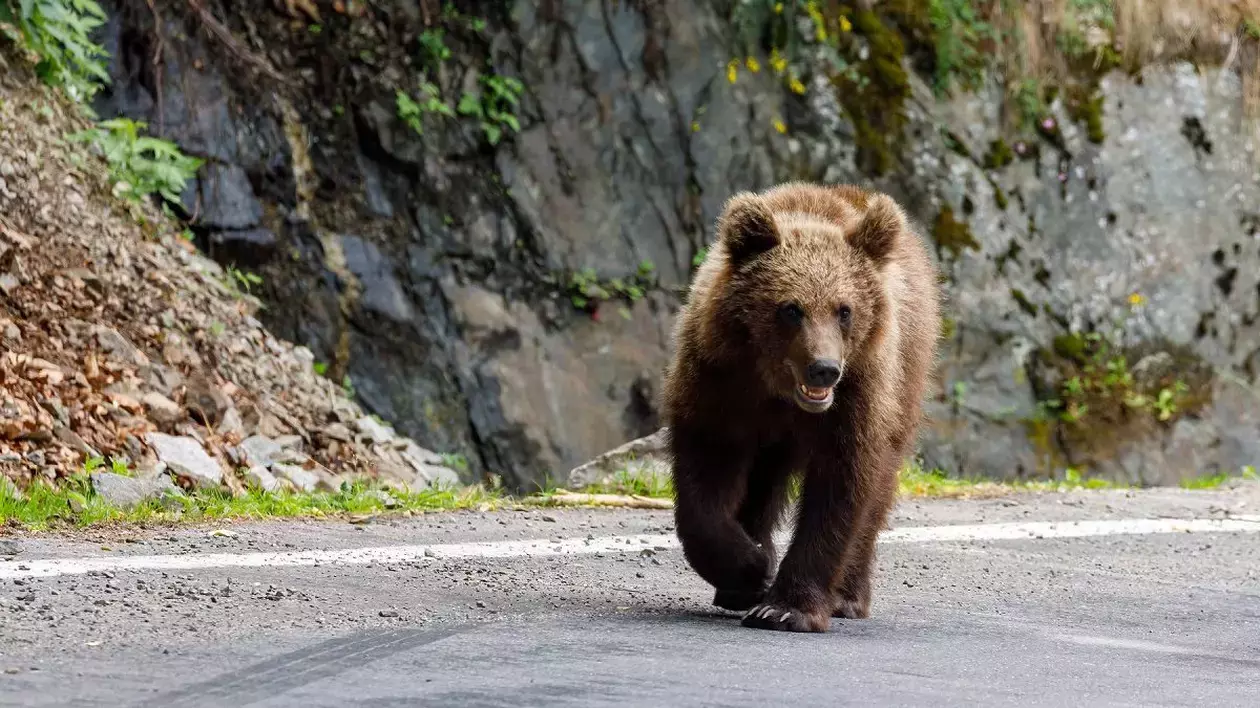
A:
{"x": 804, "y": 348}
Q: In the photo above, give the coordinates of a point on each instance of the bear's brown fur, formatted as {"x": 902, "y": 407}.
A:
{"x": 805, "y": 347}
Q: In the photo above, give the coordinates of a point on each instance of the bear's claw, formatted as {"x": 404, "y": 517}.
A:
{"x": 784, "y": 618}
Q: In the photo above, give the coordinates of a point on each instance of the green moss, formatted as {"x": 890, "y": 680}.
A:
{"x": 999, "y": 155}
{"x": 949, "y": 327}
{"x": 1088, "y": 109}
{"x": 1096, "y": 399}
{"x": 951, "y": 234}
{"x": 1070, "y": 346}
{"x": 956, "y": 146}
{"x": 999, "y": 198}
{"x": 1024, "y": 303}
{"x": 876, "y": 103}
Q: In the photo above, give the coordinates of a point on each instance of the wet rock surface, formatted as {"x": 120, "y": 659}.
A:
{"x": 432, "y": 269}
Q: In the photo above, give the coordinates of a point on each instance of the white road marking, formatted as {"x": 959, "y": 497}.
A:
{"x": 609, "y": 544}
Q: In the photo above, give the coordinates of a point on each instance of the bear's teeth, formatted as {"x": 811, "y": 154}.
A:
{"x": 816, "y": 394}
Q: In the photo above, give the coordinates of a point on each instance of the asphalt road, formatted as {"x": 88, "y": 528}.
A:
{"x": 1079, "y": 614}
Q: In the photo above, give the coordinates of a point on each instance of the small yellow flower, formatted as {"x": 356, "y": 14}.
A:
{"x": 695, "y": 126}
{"x": 732, "y": 70}
{"x": 780, "y": 126}
{"x": 796, "y": 86}
{"x": 1136, "y": 299}
{"x": 845, "y": 25}
{"x": 753, "y": 65}
{"x": 777, "y": 62}
{"x": 778, "y": 8}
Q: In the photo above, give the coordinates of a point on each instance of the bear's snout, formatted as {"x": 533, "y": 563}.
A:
{"x": 822, "y": 373}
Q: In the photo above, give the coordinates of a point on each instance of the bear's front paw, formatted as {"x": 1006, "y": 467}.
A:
{"x": 786, "y": 618}
{"x": 852, "y": 608}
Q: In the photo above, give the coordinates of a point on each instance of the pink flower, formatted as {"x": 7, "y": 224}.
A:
{"x": 1048, "y": 123}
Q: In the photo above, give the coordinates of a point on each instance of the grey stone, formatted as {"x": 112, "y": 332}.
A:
{"x": 373, "y": 431}
{"x": 429, "y": 467}
{"x": 303, "y": 479}
{"x": 205, "y": 401}
{"x": 127, "y": 492}
{"x": 222, "y": 198}
{"x": 161, "y": 409}
{"x": 261, "y": 477}
{"x": 389, "y": 501}
{"x": 118, "y": 346}
{"x": 261, "y": 450}
{"x": 232, "y": 423}
{"x": 643, "y": 457}
{"x": 186, "y": 458}
{"x": 161, "y": 378}
{"x": 382, "y": 293}
{"x": 72, "y": 440}
{"x": 337, "y": 431}
{"x": 9, "y": 283}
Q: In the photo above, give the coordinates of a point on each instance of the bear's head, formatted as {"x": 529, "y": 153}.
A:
{"x": 809, "y": 291}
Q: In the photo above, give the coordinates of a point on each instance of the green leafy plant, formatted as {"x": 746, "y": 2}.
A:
{"x": 141, "y": 165}
{"x": 412, "y": 112}
{"x": 455, "y": 461}
{"x": 59, "y": 33}
{"x": 242, "y": 280}
{"x": 960, "y": 31}
{"x": 587, "y": 290}
{"x": 435, "y": 49}
{"x": 495, "y": 107}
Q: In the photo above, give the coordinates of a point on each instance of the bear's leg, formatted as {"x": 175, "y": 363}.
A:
{"x": 710, "y": 484}
{"x": 801, "y": 598}
{"x": 759, "y": 515}
{"x": 853, "y": 582}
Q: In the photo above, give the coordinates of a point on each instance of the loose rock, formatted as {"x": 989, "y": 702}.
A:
{"x": 187, "y": 458}
{"x": 128, "y": 492}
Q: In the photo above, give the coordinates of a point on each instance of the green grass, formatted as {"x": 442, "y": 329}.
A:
{"x": 918, "y": 482}
{"x": 914, "y": 481}
{"x": 1212, "y": 481}
{"x": 659, "y": 486}
{"x": 75, "y": 506}
{"x": 1207, "y": 481}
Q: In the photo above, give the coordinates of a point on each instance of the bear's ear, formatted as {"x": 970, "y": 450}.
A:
{"x": 880, "y": 227}
{"x": 747, "y": 227}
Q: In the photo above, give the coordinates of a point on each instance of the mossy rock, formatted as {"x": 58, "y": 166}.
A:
{"x": 1100, "y": 399}
{"x": 999, "y": 155}
{"x": 951, "y": 234}
{"x": 877, "y": 106}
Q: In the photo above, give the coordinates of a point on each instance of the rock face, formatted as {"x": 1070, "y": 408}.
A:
{"x": 434, "y": 269}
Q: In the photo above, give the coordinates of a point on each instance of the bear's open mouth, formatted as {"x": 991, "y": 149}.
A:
{"x": 817, "y": 395}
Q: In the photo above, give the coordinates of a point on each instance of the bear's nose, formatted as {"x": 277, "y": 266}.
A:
{"x": 822, "y": 373}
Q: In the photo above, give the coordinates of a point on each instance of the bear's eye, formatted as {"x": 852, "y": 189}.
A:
{"x": 791, "y": 314}
{"x": 845, "y": 314}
